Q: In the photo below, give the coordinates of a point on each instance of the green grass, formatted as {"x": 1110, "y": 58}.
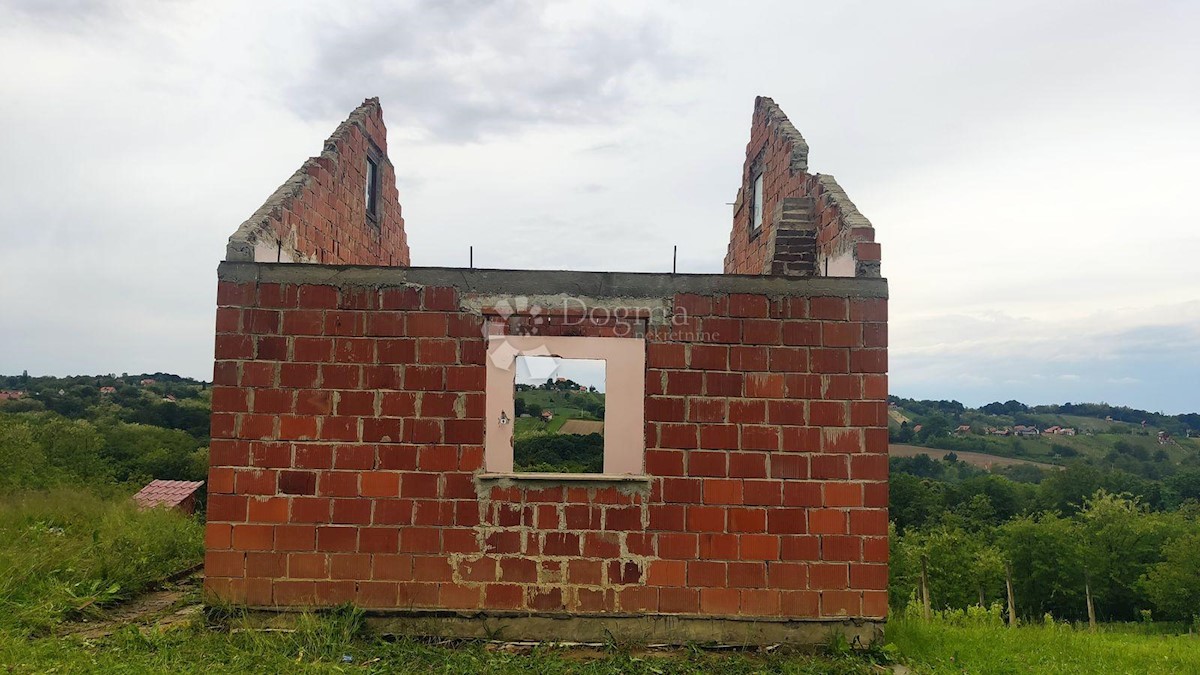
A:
{"x": 321, "y": 644}
{"x": 527, "y": 426}
{"x": 338, "y": 642}
{"x": 942, "y": 647}
{"x": 66, "y": 553}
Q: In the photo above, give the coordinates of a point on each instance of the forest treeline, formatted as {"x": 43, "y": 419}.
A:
{"x": 102, "y": 431}
{"x": 1020, "y": 413}
{"x": 1134, "y": 561}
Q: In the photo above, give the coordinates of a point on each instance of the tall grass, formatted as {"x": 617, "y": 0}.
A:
{"x": 337, "y": 642}
{"x": 962, "y": 644}
{"x": 67, "y": 552}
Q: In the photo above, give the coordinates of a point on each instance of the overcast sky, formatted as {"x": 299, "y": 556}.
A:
{"x": 536, "y": 370}
{"x": 1029, "y": 167}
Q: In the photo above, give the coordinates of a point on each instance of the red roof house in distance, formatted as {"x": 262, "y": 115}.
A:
{"x": 173, "y": 494}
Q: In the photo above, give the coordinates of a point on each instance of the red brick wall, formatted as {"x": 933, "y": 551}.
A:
{"x": 347, "y": 434}
{"x": 843, "y": 234}
{"x": 319, "y": 215}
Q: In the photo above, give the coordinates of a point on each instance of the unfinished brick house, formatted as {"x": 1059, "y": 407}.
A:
{"x": 363, "y": 416}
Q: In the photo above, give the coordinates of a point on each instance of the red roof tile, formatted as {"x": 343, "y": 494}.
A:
{"x": 166, "y": 492}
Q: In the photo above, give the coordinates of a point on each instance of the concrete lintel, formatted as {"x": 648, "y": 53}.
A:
{"x": 636, "y": 628}
{"x": 530, "y": 282}
{"x": 566, "y": 478}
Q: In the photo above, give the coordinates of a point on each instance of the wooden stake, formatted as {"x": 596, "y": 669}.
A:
{"x": 1091, "y": 607}
{"x": 925, "y": 588}
{"x": 1012, "y": 603}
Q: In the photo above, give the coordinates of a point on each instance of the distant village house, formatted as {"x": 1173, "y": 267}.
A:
{"x": 1060, "y": 431}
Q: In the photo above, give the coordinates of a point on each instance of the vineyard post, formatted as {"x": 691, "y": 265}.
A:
{"x": 1012, "y": 603}
{"x": 925, "y": 587}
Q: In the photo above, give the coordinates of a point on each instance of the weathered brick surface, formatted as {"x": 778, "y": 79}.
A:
{"x": 320, "y": 215}
{"x": 348, "y": 434}
{"x": 809, "y": 224}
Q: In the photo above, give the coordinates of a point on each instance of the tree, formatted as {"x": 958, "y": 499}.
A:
{"x": 935, "y": 426}
{"x": 1122, "y": 539}
{"x": 1186, "y": 484}
{"x": 1047, "y": 565}
{"x": 1063, "y": 450}
{"x": 22, "y": 463}
{"x": 988, "y": 571}
{"x": 74, "y": 448}
{"x": 951, "y": 557}
{"x": 914, "y": 502}
{"x": 556, "y": 453}
{"x": 1173, "y": 584}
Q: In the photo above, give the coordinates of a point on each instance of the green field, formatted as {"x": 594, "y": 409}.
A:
{"x": 943, "y": 647}
{"x": 566, "y": 405}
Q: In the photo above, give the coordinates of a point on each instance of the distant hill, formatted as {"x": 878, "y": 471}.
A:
{"x": 559, "y": 428}
{"x": 102, "y": 430}
{"x": 1139, "y": 442}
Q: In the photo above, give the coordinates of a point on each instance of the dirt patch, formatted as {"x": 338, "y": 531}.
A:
{"x": 175, "y": 603}
{"x": 978, "y": 459}
{"x": 582, "y": 427}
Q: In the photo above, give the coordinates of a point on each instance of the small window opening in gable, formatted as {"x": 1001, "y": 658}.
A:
{"x": 558, "y": 415}
{"x": 565, "y": 405}
{"x": 756, "y": 217}
{"x": 372, "y": 188}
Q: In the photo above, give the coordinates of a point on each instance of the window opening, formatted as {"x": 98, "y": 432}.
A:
{"x": 372, "y": 188}
{"x": 757, "y": 217}
{"x": 565, "y": 405}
